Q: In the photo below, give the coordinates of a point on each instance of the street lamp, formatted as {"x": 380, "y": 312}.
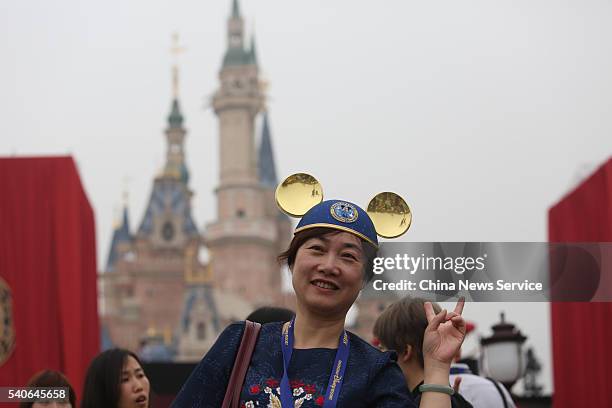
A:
{"x": 502, "y": 357}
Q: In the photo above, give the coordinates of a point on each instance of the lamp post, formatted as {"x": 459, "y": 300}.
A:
{"x": 502, "y": 357}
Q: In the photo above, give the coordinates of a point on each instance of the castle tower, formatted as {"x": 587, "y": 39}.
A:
{"x": 244, "y": 240}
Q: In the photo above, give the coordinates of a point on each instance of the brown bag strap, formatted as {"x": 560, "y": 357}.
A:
{"x": 241, "y": 364}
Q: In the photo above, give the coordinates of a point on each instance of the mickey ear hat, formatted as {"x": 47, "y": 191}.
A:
{"x": 340, "y": 215}
{"x": 301, "y": 195}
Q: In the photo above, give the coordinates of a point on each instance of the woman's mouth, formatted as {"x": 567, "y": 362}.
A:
{"x": 323, "y": 284}
{"x": 142, "y": 400}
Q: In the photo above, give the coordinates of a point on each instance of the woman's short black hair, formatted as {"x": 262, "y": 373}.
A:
{"x": 289, "y": 255}
{"x": 50, "y": 378}
{"x": 103, "y": 380}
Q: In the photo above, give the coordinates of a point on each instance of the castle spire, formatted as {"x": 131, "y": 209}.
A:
{"x": 267, "y": 167}
{"x": 121, "y": 235}
{"x": 253, "y": 51}
{"x": 126, "y": 219}
{"x": 175, "y": 133}
{"x": 175, "y": 119}
{"x": 235, "y": 53}
{"x": 235, "y": 9}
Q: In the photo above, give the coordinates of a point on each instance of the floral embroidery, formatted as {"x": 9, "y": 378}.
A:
{"x": 310, "y": 389}
{"x": 270, "y": 392}
{"x": 272, "y": 383}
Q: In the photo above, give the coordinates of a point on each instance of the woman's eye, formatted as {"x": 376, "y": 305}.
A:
{"x": 350, "y": 256}
{"x": 124, "y": 379}
{"x": 317, "y": 248}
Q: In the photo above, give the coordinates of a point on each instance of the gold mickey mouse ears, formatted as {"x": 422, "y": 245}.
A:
{"x": 390, "y": 214}
{"x": 388, "y": 211}
{"x": 298, "y": 193}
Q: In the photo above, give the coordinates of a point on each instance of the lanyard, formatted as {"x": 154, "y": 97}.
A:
{"x": 335, "y": 379}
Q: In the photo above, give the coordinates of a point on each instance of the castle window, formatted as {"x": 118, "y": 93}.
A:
{"x": 129, "y": 256}
{"x": 201, "y": 331}
{"x": 240, "y": 213}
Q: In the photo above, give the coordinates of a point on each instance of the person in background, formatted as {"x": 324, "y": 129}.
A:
{"x": 270, "y": 314}
{"x": 481, "y": 392}
{"x": 51, "y": 378}
{"x": 401, "y": 327}
{"x": 116, "y": 379}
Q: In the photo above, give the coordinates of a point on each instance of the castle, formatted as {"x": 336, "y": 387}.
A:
{"x": 172, "y": 285}
{"x": 169, "y": 289}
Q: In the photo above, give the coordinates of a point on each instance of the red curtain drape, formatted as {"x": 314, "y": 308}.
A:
{"x": 48, "y": 261}
{"x": 582, "y": 332}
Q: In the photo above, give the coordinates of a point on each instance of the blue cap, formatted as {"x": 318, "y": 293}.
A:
{"x": 341, "y": 215}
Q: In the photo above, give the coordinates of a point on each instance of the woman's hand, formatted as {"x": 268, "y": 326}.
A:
{"x": 443, "y": 336}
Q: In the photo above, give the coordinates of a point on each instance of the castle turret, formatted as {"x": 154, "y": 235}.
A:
{"x": 244, "y": 238}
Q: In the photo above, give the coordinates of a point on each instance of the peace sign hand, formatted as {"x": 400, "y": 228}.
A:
{"x": 444, "y": 334}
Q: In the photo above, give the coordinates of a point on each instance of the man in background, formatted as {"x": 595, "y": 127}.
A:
{"x": 401, "y": 327}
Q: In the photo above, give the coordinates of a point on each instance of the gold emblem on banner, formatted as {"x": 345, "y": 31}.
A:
{"x": 7, "y": 328}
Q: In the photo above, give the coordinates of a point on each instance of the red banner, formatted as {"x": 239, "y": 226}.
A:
{"x": 48, "y": 297}
{"x": 582, "y": 332}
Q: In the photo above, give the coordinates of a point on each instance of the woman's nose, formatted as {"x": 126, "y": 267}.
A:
{"x": 328, "y": 264}
{"x": 137, "y": 387}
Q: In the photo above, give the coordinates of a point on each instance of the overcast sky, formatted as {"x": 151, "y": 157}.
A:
{"x": 482, "y": 114}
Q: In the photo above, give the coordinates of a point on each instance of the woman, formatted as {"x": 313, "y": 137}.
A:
{"x": 115, "y": 379}
{"x": 304, "y": 363}
{"x": 47, "y": 379}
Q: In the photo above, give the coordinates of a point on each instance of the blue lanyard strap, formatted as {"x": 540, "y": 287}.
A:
{"x": 335, "y": 379}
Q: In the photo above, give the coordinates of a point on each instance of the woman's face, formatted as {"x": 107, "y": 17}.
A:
{"x": 134, "y": 385}
{"x": 328, "y": 273}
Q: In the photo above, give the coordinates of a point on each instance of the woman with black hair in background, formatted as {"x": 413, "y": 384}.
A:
{"x": 115, "y": 379}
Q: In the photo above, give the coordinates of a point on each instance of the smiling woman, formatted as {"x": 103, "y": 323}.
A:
{"x": 115, "y": 379}
{"x": 312, "y": 361}
{"x": 329, "y": 269}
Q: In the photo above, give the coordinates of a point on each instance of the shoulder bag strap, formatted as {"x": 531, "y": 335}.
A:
{"x": 241, "y": 364}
